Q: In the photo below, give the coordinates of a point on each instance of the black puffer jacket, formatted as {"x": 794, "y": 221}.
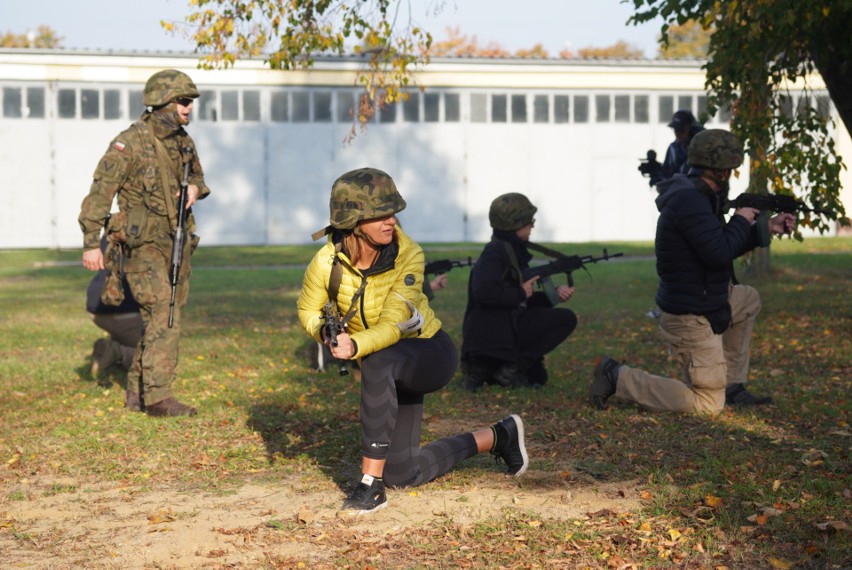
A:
{"x": 695, "y": 249}
{"x": 494, "y": 299}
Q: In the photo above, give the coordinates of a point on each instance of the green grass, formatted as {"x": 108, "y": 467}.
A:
{"x": 266, "y": 415}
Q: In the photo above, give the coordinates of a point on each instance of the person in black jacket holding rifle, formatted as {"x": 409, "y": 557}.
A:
{"x": 706, "y": 318}
{"x": 508, "y": 326}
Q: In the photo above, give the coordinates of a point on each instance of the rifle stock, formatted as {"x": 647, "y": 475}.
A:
{"x": 180, "y": 235}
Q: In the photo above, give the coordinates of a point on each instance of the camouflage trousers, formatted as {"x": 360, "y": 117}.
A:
{"x": 154, "y": 367}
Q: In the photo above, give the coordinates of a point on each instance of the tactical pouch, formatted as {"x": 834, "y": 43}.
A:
{"x": 113, "y": 291}
{"x": 137, "y": 219}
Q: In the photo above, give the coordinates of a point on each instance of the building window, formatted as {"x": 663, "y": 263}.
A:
{"x": 581, "y": 109}
{"x": 602, "y": 105}
{"x": 345, "y": 107}
{"x": 702, "y": 105}
{"x": 411, "y": 108}
{"x": 12, "y": 103}
{"x": 561, "y": 107}
{"x": 541, "y": 109}
{"x": 112, "y": 104}
{"x": 322, "y": 106}
{"x": 622, "y": 108}
{"x": 251, "y": 105}
{"x": 90, "y": 103}
{"x": 519, "y": 108}
{"x": 301, "y": 107}
{"x": 387, "y": 112}
{"x": 452, "y": 107}
{"x": 230, "y": 105}
{"x": 499, "y": 110}
{"x": 665, "y": 108}
{"x": 67, "y": 99}
{"x": 478, "y": 107}
{"x": 431, "y": 107}
{"x": 641, "y": 109}
{"x": 35, "y": 102}
{"x": 135, "y": 105}
{"x": 684, "y": 102}
{"x": 206, "y": 105}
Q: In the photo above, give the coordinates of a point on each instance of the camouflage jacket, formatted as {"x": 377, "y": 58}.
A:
{"x": 130, "y": 168}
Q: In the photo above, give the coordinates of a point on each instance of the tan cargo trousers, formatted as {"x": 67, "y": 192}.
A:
{"x": 709, "y": 361}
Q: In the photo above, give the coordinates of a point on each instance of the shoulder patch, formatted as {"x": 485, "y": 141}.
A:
{"x": 118, "y": 145}
{"x": 410, "y": 279}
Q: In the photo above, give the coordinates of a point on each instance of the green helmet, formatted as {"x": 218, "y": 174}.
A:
{"x": 716, "y": 149}
{"x": 165, "y": 86}
{"x": 511, "y": 212}
{"x": 363, "y": 194}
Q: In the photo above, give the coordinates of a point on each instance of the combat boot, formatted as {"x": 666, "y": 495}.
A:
{"x": 474, "y": 374}
{"x": 534, "y": 370}
{"x": 169, "y": 408}
{"x": 132, "y": 401}
{"x": 106, "y": 353}
{"x": 510, "y": 375}
{"x": 737, "y": 395}
{"x": 606, "y": 379}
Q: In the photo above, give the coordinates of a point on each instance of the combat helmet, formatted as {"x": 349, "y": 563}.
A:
{"x": 362, "y": 194}
{"x": 511, "y": 211}
{"x": 716, "y": 149}
{"x": 165, "y": 86}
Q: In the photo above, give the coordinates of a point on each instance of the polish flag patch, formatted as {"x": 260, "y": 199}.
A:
{"x": 118, "y": 145}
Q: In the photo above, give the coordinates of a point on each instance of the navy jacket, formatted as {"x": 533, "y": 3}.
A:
{"x": 695, "y": 249}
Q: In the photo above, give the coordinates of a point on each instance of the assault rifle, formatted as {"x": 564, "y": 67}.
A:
{"x": 566, "y": 264}
{"x": 445, "y": 265}
{"x": 770, "y": 203}
{"x": 332, "y": 327}
{"x": 180, "y": 234}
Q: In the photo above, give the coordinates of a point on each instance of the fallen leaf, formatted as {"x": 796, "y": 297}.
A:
{"x": 713, "y": 501}
{"x": 832, "y": 526}
{"x": 776, "y": 485}
{"x": 779, "y": 563}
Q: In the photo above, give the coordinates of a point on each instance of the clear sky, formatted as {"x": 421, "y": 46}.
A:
{"x": 514, "y": 24}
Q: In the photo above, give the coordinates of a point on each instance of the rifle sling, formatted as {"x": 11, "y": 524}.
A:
{"x": 163, "y": 159}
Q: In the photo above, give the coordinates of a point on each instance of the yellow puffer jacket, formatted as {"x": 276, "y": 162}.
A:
{"x": 383, "y": 303}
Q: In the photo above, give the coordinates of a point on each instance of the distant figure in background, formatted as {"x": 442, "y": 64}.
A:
{"x": 685, "y": 127}
{"x": 122, "y": 322}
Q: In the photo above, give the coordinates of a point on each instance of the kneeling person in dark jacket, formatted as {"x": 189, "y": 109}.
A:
{"x": 508, "y": 327}
{"x": 706, "y": 319}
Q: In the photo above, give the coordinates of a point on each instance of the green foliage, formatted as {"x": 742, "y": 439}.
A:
{"x": 43, "y": 37}
{"x": 759, "y": 53}
{"x": 288, "y": 34}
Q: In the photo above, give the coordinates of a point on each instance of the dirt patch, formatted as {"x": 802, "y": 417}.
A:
{"x": 59, "y": 523}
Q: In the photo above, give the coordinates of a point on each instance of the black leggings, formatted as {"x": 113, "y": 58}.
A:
{"x": 393, "y": 382}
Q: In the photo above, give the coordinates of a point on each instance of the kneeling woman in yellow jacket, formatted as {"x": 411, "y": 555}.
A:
{"x": 372, "y": 273}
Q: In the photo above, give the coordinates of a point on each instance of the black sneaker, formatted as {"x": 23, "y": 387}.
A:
{"x": 368, "y": 497}
{"x": 474, "y": 375}
{"x": 509, "y": 445}
{"x": 737, "y": 395}
{"x": 534, "y": 370}
{"x": 606, "y": 377}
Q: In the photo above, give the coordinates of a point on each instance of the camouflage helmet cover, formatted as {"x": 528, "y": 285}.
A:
{"x": 363, "y": 194}
{"x": 165, "y": 86}
{"x": 716, "y": 149}
{"x": 511, "y": 211}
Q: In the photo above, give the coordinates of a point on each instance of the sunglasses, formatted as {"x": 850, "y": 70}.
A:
{"x": 185, "y": 101}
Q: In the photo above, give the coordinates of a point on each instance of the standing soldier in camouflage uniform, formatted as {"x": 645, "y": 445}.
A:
{"x": 706, "y": 319}
{"x": 144, "y": 166}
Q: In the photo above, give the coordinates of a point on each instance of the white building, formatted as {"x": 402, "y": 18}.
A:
{"x": 568, "y": 134}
